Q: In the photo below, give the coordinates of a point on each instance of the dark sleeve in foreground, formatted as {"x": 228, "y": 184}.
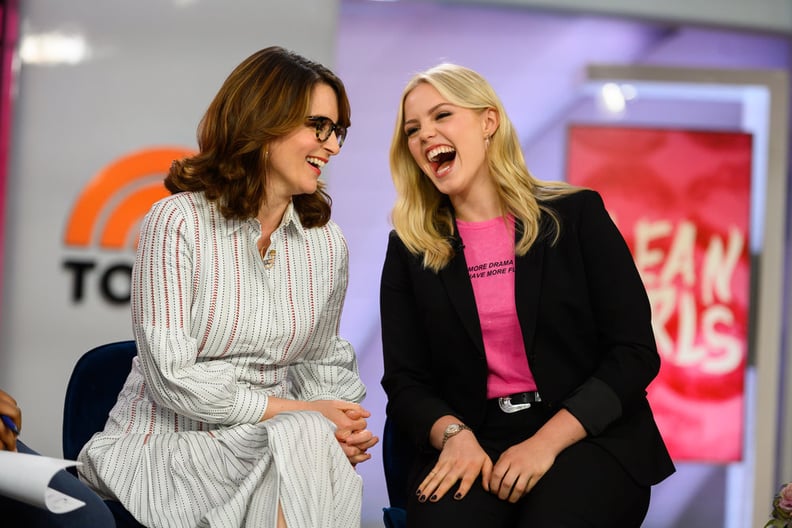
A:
{"x": 622, "y": 315}
{"x": 95, "y": 513}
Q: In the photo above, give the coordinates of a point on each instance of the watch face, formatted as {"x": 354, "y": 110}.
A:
{"x": 453, "y": 429}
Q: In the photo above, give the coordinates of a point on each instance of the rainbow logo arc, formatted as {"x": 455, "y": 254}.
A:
{"x": 108, "y": 211}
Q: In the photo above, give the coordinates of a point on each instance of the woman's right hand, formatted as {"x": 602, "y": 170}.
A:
{"x": 349, "y": 419}
{"x": 337, "y": 411}
{"x": 351, "y": 432}
{"x": 462, "y": 460}
{"x": 9, "y": 407}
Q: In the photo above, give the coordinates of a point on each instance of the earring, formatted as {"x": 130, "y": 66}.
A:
{"x": 486, "y": 142}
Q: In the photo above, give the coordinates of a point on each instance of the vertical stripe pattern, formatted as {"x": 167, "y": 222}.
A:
{"x": 217, "y": 334}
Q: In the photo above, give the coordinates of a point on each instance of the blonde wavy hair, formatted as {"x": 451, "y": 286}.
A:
{"x": 423, "y": 217}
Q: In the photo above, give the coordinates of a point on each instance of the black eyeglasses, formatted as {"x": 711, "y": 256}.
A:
{"x": 324, "y": 126}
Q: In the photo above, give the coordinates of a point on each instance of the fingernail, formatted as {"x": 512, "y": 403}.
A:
{"x": 433, "y": 498}
{"x": 422, "y": 498}
{"x": 457, "y": 495}
{"x": 418, "y": 492}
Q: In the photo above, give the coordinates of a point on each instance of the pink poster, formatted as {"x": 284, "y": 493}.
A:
{"x": 681, "y": 199}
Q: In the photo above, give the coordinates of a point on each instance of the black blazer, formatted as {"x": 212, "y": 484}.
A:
{"x": 586, "y": 324}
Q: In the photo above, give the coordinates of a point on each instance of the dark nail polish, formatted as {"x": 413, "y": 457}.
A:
{"x": 433, "y": 498}
{"x": 422, "y": 498}
{"x": 457, "y": 495}
{"x": 418, "y": 492}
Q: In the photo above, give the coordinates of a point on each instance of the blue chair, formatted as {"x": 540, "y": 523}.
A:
{"x": 92, "y": 391}
{"x": 397, "y": 456}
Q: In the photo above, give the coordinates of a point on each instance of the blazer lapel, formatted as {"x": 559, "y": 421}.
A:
{"x": 527, "y": 289}
{"x": 456, "y": 280}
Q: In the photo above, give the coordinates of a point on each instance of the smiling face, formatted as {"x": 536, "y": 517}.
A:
{"x": 448, "y": 142}
{"x": 295, "y": 161}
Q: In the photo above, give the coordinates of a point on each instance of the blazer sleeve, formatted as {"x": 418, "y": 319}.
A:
{"x": 413, "y": 399}
{"x": 628, "y": 358}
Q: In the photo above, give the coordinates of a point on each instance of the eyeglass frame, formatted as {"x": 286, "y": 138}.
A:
{"x": 321, "y": 122}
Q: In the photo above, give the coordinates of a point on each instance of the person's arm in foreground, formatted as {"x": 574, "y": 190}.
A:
{"x": 95, "y": 513}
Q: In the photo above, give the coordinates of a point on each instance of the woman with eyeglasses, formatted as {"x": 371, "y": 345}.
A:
{"x": 516, "y": 331}
{"x": 243, "y": 405}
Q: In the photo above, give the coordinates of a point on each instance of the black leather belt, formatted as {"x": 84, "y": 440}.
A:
{"x": 519, "y": 401}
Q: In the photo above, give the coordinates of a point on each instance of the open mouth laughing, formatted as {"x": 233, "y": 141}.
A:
{"x": 316, "y": 162}
{"x": 441, "y": 158}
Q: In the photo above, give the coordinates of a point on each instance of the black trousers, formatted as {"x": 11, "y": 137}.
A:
{"x": 585, "y": 487}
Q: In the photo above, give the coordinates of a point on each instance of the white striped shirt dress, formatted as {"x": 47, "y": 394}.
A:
{"x": 218, "y": 331}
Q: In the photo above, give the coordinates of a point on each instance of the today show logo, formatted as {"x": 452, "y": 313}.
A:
{"x": 103, "y": 227}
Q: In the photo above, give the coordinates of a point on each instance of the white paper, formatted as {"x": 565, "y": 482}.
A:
{"x": 26, "y": 478}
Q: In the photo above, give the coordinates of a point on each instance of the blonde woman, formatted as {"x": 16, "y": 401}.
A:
{"x": 516, "y": 330}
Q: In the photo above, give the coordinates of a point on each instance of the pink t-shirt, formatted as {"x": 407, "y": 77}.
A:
{"x": 489, "y": 252}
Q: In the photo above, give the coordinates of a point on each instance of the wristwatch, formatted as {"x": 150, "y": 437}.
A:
{"x": 451, "y": 430}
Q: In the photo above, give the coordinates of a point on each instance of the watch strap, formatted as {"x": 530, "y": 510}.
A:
{"x": 453, "y": 430}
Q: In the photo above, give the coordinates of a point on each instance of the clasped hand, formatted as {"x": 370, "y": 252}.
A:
{"x": 351, "y": 427}
{"x": 462, "y": 460}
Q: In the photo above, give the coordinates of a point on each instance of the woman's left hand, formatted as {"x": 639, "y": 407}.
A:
{"x": 356, "y": 445}
{"x": 519, "y": 468}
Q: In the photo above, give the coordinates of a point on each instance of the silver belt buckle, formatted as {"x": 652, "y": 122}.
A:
{"x": 507, "y": 406}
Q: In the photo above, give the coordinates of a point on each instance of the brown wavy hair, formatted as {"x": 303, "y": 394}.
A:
{"x": 264, "y": 98}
